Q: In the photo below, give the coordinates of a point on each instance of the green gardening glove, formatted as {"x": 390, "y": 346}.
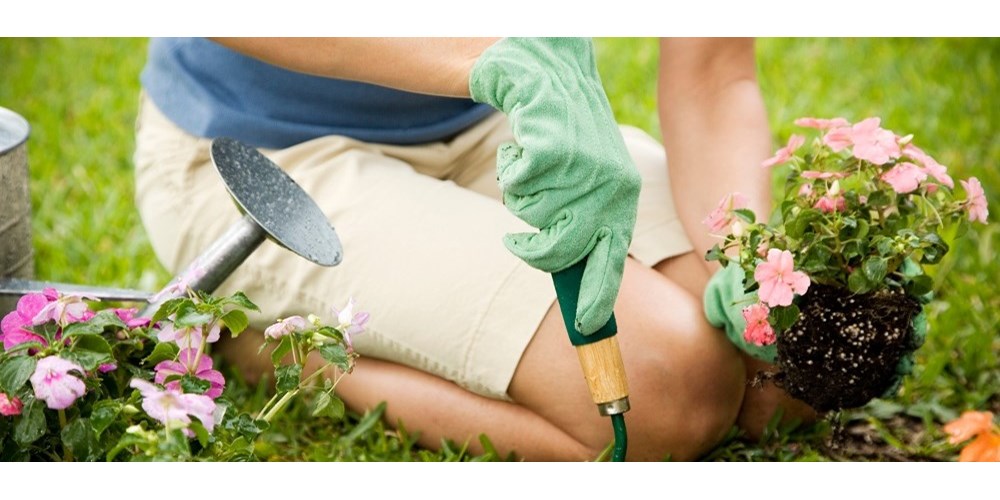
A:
{"x": 725, "y": 301}
{"x": 569, "y": 173}
{"x": 724, "y": 304}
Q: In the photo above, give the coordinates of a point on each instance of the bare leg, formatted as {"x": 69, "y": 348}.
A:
{"x": 686, "y": 385}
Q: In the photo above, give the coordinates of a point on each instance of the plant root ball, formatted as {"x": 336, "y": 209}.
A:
{"x": 843, "y": 350}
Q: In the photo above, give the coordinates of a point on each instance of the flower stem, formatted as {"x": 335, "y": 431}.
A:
{"x": 67, "y": 454}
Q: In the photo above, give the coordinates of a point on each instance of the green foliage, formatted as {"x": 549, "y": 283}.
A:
{"x": 80, "y": 96}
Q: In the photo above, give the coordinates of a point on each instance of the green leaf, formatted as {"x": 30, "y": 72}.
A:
{"x": 15, "y": 372}
{"x": 715, "y": 253}
{"x": 89, "y": 351}
{"x": 95, "y": 325}
{"x": 857, "y": 282}
{"x": 200, "y": 432}
{"x": 194, "y": 385}
{"x": 279, "y": 353}
{"x": 863, "y": 227}
{"x": 188, "y": 316}
{"x": 288, "y": 377}
{"x": 321, "y": 403}
{"x": 910, "y": 269}
{"x": 240, "y": 299}
{"x": 336, "y": 410}
{"x": 336, "y": 354}
{"x": 920, "y": 285}
{"x": 784, "y": 317}
{"x": 103, "y": 414}
{"x": 802, "y": 222}
{"x": 746, "y": 214}
{"x": 31, "y": 424}
{"x": 878, "y": 199}
{"x": 875, "y": 269}
{"x": 169, "y": 307}
{"x": 163, "y": 351}
{"x": 80, "y": 329}
{"x": 934, "y": 249}
{"x": 236, "y": 321}
{"x": 80, "y": 438}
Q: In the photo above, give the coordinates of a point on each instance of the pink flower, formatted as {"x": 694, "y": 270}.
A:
{"x": 813, "y": 174}
{"x": 351, "y": 323}
{"x": 805, "y": 190}
{"x": 128, "y": 316}
{"x": 778, "y": 280}
{"x": 821, "y": 123}
{"x": 107, "y": 367}
{"x": 722, "y": 216}
{"x": 762, "y": 249}
{"x": 759, "y": 331}
{"x": 829, "y": 204}
{"x": 184, "y": 366}
{"x": 15, "y": 324}
{"x": 171, "y": 407}
{"x": 286, "y": 326}
{"x": 180, "y": 286}
{"x": 904, "y": 177}
{"x": 188, "y": 337}
{"x": 873, "y": 143}
{"x": 10, "y": 407}
{"x": 53, "y": 383}
{"x": 66, "y": 309}
{"x": 784, "y": 154}
{"x": 976, "y": 201}
{"x": 931, "y": 167}
{"x": 838, "y": 138}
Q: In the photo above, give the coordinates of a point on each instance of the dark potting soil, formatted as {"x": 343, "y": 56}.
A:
{"x": 843, "y": 350}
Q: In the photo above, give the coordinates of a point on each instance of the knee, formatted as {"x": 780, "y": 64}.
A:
{"x": 686, "y": 393}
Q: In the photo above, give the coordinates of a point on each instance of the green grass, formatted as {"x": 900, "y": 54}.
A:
{"x": 80, "y": 97}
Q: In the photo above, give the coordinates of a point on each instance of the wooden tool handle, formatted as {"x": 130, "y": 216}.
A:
{"x": 604, "y": 370}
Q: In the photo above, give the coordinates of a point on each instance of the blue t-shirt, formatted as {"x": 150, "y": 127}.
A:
{"x": 211, "y": 91}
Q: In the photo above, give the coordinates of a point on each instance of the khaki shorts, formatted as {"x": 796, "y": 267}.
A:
{"x": 421, "y": 228}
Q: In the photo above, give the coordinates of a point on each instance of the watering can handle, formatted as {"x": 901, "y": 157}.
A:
{"x": 599, "y": 353}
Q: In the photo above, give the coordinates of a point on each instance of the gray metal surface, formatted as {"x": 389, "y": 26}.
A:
{"x": 281, "y": 208}
{"x": 13, "y": 130}
{"x": 17, "y": 287}
{"x": 16, "y": 251}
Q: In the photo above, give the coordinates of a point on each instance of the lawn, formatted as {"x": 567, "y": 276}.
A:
{"x": 80, "y": 96}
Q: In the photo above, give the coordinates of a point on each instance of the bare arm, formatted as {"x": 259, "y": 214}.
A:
{"x": 438, "y": 66}
{"x": 715, "y": 129}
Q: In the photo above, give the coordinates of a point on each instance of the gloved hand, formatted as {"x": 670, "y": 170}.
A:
{"x": 569, "y": 173}
{"x": 724, "y": 301}
{"x": 724, "y": 304}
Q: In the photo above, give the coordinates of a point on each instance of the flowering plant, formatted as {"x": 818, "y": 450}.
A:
{"x": 109, "y": 385}
{"x": 859, "y": 219}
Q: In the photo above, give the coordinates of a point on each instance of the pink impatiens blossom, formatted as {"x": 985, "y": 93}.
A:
{"x": 873, "y": 143}
{"x": 350, "y": 323}
{"x": 805, "y": 190}
{"x": 905, "y": 177}
{"x": 778, "y": 279}
{"x": 187, "y": 337}
{"x": 784, "y": 154}
{"x": 722, "y": 216}
{"x": 172, "y": 407}
{"x": 830, "y": 204}
{"x": 822, "y": 123}
{"x": 185, "y": 365}
{"x": 107, "y": 367}
{"x": 66, "y": 309}
{"x": 759, "y": 330}
{"x": 180, "y": 286}
{"x": 54, "y": 384}
{"x": 812, "y": 174}
{"x": 10, "y": 407}
{"x": 15, "y": 324}
{"x": 130, "y": 318}
{"x": 975, "y": 203}
{"x": 930, "y": 166}
{"x": 286, "y": 326}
